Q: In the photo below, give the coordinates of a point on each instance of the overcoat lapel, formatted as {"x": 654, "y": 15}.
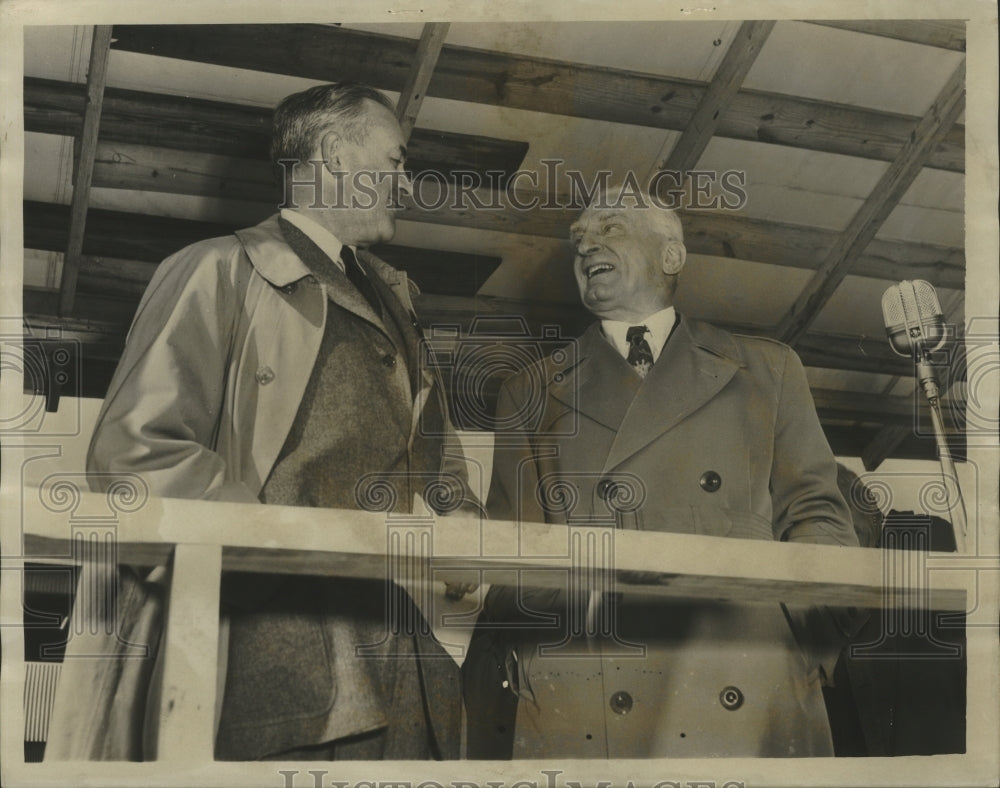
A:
{"x": 601, "y": 385}
{"x": 694, "y": 366}
{"x": 338, "y": 287}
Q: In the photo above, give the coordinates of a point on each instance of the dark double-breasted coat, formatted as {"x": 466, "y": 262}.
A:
{"x": 720, "y": 439}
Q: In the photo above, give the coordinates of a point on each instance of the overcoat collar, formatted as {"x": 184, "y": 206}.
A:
{"x": 694, "y": 366}
{"x": 274, "y": 260}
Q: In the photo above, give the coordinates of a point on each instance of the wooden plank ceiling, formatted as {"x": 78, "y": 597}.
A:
{"x": 851, "y": 184}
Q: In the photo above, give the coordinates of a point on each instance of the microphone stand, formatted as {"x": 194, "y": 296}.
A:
{"x": 953, "y": 491}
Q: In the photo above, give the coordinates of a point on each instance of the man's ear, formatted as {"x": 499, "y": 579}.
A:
{"x": 330, "y": 149}
{"x": 674, "y": 257}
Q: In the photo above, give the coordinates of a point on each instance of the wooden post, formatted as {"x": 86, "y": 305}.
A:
{"x": 412, "y": 95}
{"x": 96, "y": 77}
{"x": 729, "y": 76}
{"x": 185, "y": 729}
{"x": 876, "y": 209}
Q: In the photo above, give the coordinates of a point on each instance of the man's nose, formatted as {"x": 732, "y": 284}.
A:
{"x": 587, "y": 245}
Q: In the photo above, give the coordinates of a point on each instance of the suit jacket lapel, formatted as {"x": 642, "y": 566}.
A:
{"x": 695, "y": 365}
{"x": 404, "y": 319}
{"x": 601, "y": 385}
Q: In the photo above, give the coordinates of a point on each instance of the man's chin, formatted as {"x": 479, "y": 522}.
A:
{"x": 594, "y": 302}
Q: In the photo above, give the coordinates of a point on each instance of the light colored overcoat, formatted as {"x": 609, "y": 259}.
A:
{"x": 222, "y": 348}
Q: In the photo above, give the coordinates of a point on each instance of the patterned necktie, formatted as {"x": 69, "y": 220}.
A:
{"x": 640, "y": 356}
{"x": 359, "y": 278}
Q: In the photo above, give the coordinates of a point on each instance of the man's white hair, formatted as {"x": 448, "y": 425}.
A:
{"x": 664, "y": 220}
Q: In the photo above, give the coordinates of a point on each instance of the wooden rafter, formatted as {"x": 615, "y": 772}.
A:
{"x": 236, "y": 131}
{"x": 875, "y": 408}
{"x": 718, "y": 96}
{"x": 719, "y": 234}
{"x": 106, "y": 320}
{"x": 876, "y": 209}
{"x": 412, "y": 95}
{"x": 96, "y": 76}
{"x": 538, "y": 84}
{"x": 943, "y": 33}
{"x": 885, "y": 442}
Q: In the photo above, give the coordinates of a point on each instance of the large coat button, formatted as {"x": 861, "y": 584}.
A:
{"x": 621, "y": 702}
{"x": 710, "y": 481}
{"x": 389, "y": 360}
{"x": 731, "y": 698}
{"x": 606, "y": 488}
{"x": 264, "y": 375}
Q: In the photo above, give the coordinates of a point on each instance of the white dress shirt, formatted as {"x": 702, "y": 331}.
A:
{"x": 658, "y": 328}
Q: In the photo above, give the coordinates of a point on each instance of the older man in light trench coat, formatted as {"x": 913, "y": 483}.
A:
{"x": 712, "y": 434}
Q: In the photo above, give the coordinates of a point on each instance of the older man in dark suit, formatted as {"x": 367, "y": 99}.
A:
{"x": 710, "y": 433}
{"x": 280, "y": 365}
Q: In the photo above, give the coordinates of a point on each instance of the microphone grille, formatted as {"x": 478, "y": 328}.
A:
{"x": 927, "y": 300}
{"x": 893, "y": 312}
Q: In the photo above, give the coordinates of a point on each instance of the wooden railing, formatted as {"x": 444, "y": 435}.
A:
{"x": 198, "y": 540}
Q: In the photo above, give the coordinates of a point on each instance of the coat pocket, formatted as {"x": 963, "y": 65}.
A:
{"x": 279, "y": 667}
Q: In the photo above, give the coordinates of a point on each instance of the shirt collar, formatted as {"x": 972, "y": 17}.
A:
{"x": 317, "y": 233}
{"x": 659, "y": 325}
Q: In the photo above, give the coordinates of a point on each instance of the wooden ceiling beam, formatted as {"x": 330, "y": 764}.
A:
{"x": 876, "y": 209}
{"x": 884, "y": 444}
{"x": 538, "y": 84}
{"x": 412, "y": 95}
{"x": 941, "y": 33}
{"x": 909, "y": 412}
{"x": 821, "y": 350}
{"x": 849, "y": 441}
{"x": 96, "y": 76}
{"x": 726, "y": 82}
{"x": 444, "y": 272}
{"x": 235, "y": 130}
{"x": 100, "y": 343}
{"x": 719, "y": 234}
{"x": 725, "y": 234}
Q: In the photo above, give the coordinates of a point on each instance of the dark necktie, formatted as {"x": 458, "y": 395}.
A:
{"x": 640, "y": 356}
{"x": 359, "y": 278}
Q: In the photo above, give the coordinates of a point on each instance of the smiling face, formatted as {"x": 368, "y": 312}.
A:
{"x": 372, "y": 178}
{"x": 625, "y": 262}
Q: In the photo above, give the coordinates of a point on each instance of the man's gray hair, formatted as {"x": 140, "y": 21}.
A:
{"x": 301, "y": 119}
{"x": 664, "y": 220}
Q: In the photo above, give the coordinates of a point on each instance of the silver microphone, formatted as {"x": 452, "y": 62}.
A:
{"x": 916, "y": 328}
{"x": 913, "y": 318}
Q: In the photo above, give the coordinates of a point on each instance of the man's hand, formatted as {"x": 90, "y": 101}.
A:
{"x": 458, "y": 590}
{"x": 460, "y": 583}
